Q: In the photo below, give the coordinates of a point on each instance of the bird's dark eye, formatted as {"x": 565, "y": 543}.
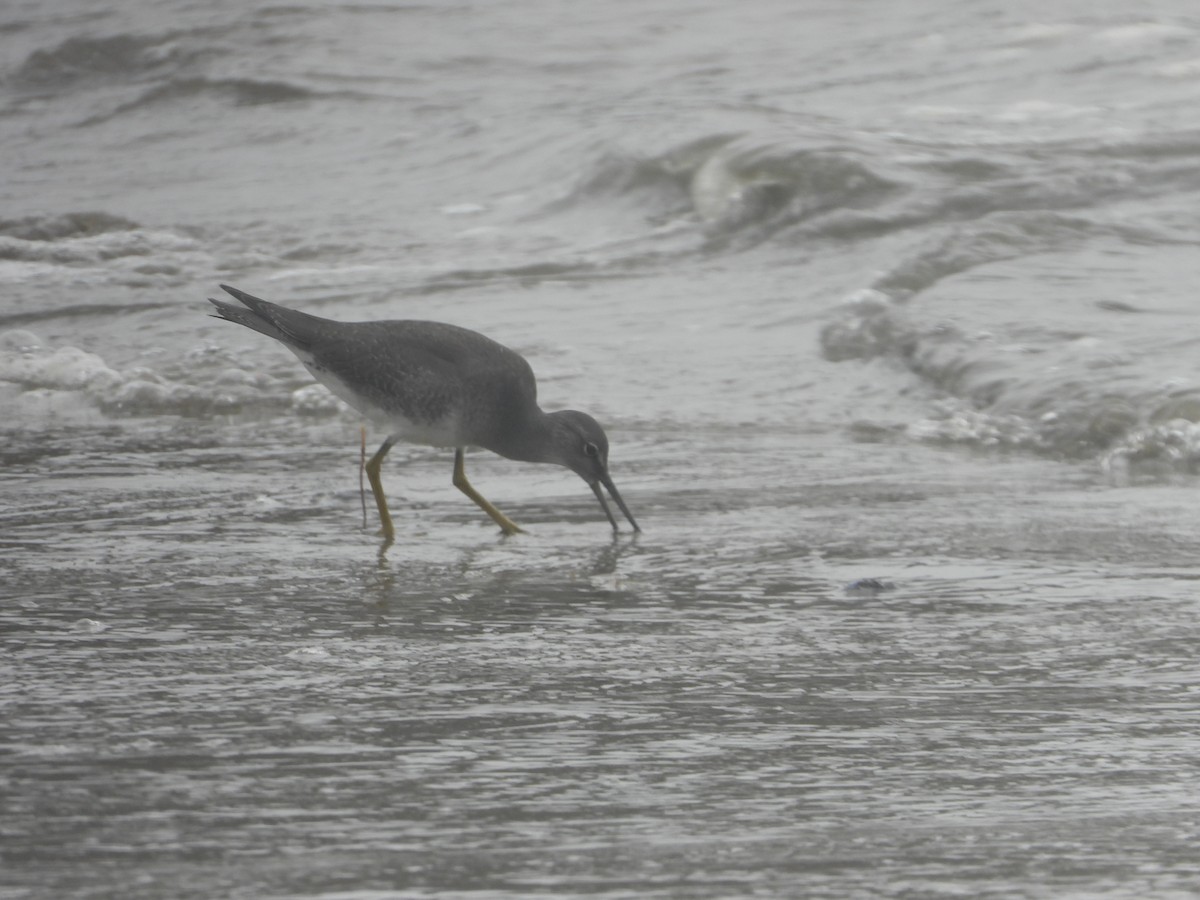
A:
{"x": 591, "y": 450}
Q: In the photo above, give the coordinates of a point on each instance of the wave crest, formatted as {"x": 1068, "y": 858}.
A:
{"x": 755, "y": 183}
{"x": 117, "y": 57}
{"x": 991, "y": 393}
{"x": 207, "y": 381}
{"x": 64, "y": 226}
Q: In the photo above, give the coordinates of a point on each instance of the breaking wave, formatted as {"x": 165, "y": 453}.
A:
{"x": 1055, "y": 399}
{"x": 92, "y": 59}
{"x": 736, "y": 185}
{"x": 65, "y": 226}
{"x": 204, "y": 382}
{"x": 73, "y": 250}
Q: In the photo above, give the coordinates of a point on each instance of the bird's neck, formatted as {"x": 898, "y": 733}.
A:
{"x": 529, "y": 439}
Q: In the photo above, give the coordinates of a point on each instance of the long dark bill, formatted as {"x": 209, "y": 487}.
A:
{"x": 616, "y": 495}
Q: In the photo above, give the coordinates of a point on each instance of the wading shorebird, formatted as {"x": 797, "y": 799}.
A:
{"x": 440, "y": 385}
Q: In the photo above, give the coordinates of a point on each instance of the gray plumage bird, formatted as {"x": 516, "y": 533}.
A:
{"x": 436, "y": 384}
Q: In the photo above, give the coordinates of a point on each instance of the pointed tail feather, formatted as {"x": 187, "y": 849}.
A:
{"x": 289, "y": 326}
{"x": 241, "y": 316}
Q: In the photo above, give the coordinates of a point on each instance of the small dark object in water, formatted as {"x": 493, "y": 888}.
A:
{"x": 870, "y": 584}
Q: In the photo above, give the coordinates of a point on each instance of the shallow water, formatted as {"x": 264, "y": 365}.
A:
{"x": 855, "y": 686}
{"x": 887, "y": 317}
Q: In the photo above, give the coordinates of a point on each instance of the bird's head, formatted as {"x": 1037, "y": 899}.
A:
{"x": 580, "y": 444}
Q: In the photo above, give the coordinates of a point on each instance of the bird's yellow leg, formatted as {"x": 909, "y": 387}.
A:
{"x": 362, "y": 465}
{"x": 507, "y": 525}
{"x": 372, "y": 469}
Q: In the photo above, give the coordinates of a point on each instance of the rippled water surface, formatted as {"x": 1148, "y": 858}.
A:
{"x": 856, "y": 685}
{"x": 887, "y": 310}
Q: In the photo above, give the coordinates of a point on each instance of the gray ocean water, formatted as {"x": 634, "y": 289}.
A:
{"x": 889, "y": 310}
